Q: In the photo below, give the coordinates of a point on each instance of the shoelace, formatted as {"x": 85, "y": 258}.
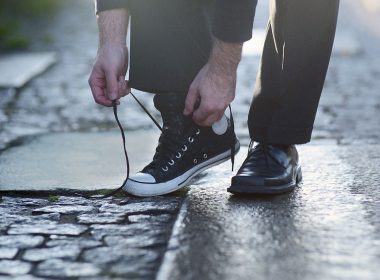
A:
{"x": 262, "y": 150}
{"x": 114, "y": 107}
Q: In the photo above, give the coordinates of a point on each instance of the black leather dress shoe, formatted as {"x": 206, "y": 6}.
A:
{"x": 268, "y": 169}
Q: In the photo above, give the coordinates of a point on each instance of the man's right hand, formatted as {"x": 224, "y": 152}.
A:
{"x": 107, "y": 79}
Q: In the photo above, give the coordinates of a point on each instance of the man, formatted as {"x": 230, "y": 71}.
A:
{"x": 187, "y": 53}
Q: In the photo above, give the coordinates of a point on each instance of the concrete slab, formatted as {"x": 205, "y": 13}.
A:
{"x": 345, "y": 44}
{"x": 18, "y": 69}
{"x": 81, "y": 161}
{"x": 372, "y": 6}
{"x": 326, "y": 229}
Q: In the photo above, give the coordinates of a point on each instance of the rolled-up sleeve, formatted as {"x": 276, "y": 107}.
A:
{"x": 233, "y": 20}
{"x": 102, "y": 5}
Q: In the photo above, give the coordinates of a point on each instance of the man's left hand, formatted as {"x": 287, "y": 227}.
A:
{"x": 214, "y": 92}
{"x": 213, "y": 89}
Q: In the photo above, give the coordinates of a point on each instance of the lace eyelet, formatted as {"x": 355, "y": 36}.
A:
{"x": 165, "y": 168}
{"x": 198, "y": 132}
{"x": 191, "y": 139}
{"x": 195, "y": 161}
{"x": 184, "y": 148}
{"x": 171, "y": 162}
{"x": 204, "y": 156}
{"x": 178, "y": 155}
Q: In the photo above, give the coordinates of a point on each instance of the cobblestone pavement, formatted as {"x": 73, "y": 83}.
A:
{"x": 76, "y": 238}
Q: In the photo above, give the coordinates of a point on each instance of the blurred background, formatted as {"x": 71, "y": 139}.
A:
{"x": 47, "y": 48}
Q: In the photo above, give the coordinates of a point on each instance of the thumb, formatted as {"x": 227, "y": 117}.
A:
{"x": 112, "y": 86}
{"x": 191, "y": 100}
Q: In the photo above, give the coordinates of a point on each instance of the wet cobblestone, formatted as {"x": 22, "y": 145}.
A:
{"x": 93, "y": 239}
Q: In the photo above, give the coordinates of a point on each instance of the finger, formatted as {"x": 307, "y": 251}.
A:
{"x": 191, "y": 100}
{"x": 112, "y": 86}
{"x": 201, "y": 114}
{"x": 98, "y": 94}
{"x": 208, "y": 121}
{"x": 123, "y": 87}
{"x": 101, "y": 99}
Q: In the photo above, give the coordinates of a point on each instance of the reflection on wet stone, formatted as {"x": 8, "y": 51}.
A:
{"x": 164, "y": 218}
{"x": 101, "y": 218}
{"x": 61, "y": 252}
{"x": 148, "y": 206}
{"x": 23, "y": 201}
{"x": 141, "y": 241}
{"x": 20, "y": 277}
{"x": 66, "y": 209}
{"x": 48, "y": 228}
{"x": 99, "y": 231}
{"x": 104, "y": 255}
{"x": 7, "y": 253}
{"x": 60, "y": 268}
{"x": 21, "y": 241}
{"x": 14, "y": 267}
{"x": 81, "y": 242}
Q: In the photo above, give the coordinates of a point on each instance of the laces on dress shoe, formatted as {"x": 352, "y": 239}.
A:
{"x": 262, "y": 149}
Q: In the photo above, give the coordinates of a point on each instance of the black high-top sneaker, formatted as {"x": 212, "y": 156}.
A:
{"x": 184, "y": 150}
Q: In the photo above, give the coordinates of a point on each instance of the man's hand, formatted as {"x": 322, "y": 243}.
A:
{"x": 107, "y": 79}
{"x": 214, "y": 86}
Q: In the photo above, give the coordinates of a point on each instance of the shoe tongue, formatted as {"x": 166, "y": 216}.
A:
{"x": 171, "y": 107}
{"x": 176, "y": 123}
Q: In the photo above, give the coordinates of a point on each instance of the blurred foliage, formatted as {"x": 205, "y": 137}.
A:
{"x": 14, "y": 14}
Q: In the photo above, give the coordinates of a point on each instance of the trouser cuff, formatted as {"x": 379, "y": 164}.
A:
{"x": 280, "y": 135}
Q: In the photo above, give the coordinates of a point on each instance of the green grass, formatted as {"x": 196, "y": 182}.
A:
{"x": 16, "y": 13}
{"x": 53, "y": 198}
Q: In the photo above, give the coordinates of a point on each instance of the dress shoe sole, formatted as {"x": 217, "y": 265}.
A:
{"x": 269, "y": 189}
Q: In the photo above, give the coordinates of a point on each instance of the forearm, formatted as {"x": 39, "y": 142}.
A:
{"x": 225, "y": 57}
{"x": 113, "y": 26}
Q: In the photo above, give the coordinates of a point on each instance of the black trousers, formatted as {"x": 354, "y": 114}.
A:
{"x": 171, "y": 41}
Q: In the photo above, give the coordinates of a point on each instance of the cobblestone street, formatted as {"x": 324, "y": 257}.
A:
{"x": 51, "y": 131}
{"x": 77, "y": 238}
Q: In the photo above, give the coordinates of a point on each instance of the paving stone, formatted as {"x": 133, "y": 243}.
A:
{"x": 140, "y": 241}
{"x": 101, "y": 218}
{"x": 14, "y": 209}
{"x": 140, "y": 207}
{"x": 99, "y": 231}
{"x": 27, "y": 219}
{"x": 59, "y": 252}
{"x": 99, "y": 278}
{"x": 18, "y": 69}
{"x": 8, "y": 253}
{"x": 48, "y": 228}
{"x": 74, "y": 241}
{"x": 21, "y": 241}
{"x": 128, "y": 256}
{"x": 24, "y": 201}
{"x": 133, "y": 271}
{"x": 66, "y": 209}
{"x": 21, "y": 277}
{"x": 61, "y": 269}
{"x": 164, "y": 218}
{"x": 70, "y": 200}
{"x": 14, "y": 267}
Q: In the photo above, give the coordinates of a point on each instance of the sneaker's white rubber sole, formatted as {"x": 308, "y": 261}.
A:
{"x": 144, "y": 189}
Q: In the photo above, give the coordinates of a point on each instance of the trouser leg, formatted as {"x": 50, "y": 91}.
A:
{"x": 170, "y": 42}
{"x": 295, "y": 59}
